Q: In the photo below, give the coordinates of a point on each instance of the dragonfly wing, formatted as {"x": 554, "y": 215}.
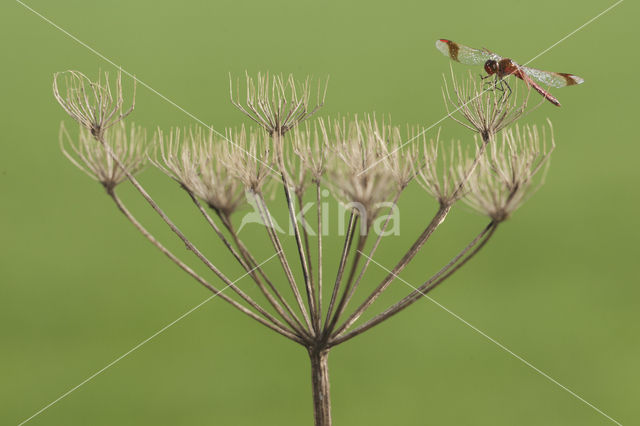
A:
{"x": 553, "y": 79}
{"x": 465, "y": 54}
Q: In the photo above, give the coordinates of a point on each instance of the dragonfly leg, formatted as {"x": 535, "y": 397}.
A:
{"x": 509, "y": 91}
{"x": 487, "y": 85}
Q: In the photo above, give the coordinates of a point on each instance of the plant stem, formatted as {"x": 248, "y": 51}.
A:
{"x": 320, "y": 231}
{"x": 362, "y": 239}
{"x": 307, "y": 248}
{"x": 320, "y": 386}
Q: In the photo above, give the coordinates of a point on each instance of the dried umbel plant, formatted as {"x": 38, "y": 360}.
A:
{"x": 363, "y": 160}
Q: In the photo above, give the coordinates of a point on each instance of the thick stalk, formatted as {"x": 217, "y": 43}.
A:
{"x": 320, "y": 386}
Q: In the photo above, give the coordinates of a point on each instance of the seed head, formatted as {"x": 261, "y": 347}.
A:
{"x": 310, "y": 144}
{"x": 356, "y": 166}
{"x": 128, "y": 144}
{"x": 400, "y": 158}
{"x": 485, "y": 110}
{"x": 193, "y": 158}
{"x": 505, "y": 176}
{"x": 445, "y": 170}
{"x": 91, "y": 103}
{"x": 278, "y": 103}
{"x": 249, "y": 158}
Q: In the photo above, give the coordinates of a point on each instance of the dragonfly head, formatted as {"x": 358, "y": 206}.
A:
{"x": 491, "y": 67}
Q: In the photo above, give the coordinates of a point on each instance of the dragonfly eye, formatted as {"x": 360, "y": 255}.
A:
{"x": 491, "y": 66}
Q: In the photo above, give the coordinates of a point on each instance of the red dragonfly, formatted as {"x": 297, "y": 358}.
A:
{"x": 503, "y": 67}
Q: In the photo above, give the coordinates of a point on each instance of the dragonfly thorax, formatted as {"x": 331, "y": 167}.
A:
{"x": 503, "y": 67}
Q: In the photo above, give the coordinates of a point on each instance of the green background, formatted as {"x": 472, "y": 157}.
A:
{"x": 558, "y": 285}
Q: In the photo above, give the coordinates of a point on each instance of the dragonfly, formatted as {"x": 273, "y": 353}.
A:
{"x": 500, "y": 67}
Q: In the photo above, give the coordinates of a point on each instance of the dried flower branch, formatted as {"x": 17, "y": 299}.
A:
{"x": 356, "y": 171}
{"x": 249, "y": 158}
{"x": 130, "y": 145}
{"x": 195, "y": 159}
{"x": 278, "y": 103}
{"x": 443, "y": 174}
{"x": 310, "y": 145}
{"x": 400, "y": 158}
{"x": 92, "y": 104}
